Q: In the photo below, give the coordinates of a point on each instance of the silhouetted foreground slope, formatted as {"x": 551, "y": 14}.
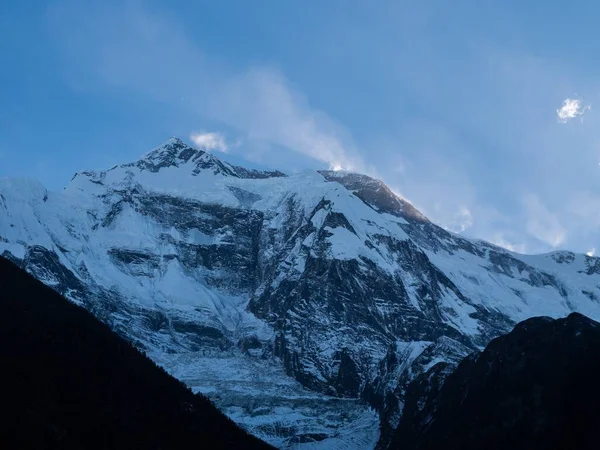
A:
{"x": 537, "y": 387}
{"x": 68, "y": 382}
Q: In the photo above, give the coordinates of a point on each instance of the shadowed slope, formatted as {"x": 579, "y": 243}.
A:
{"x": 69, "y": 382}
{"x": 534, "y": 388}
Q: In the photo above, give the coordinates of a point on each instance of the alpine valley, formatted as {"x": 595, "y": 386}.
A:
{"x": 302, "y": 305}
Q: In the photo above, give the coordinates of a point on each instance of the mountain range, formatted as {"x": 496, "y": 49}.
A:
{"x": 302, "y": 305}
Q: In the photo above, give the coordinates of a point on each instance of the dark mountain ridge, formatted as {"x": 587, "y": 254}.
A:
{"x": 534, "y": 388}
{"x": 69, "y": 382}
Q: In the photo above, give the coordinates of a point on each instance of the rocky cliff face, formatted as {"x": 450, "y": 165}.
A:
{"x": 303, "y": 305}
{"x": 534, "y": 388}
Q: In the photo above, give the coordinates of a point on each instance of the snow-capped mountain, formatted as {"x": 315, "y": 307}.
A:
{"x": 302, "y": 305}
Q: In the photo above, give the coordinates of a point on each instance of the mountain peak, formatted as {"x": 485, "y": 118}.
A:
{"x": 173, "y": 152}
{"x": 375, "y": 193}
{"x": 174, "y": 140}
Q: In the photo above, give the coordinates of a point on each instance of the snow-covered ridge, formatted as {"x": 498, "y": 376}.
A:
{"x": 330, "y": 283}
{"x": 174, "y": 153}
{"x": 375, "y": 193}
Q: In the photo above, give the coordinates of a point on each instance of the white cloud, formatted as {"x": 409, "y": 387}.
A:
{"x": 570, "y": 109}
{"x": 461, "y": 221}
{"x": 434, "y": 182}
{"x": 150, "y": 53}
{"x": 262, "y": 102}
{"x": 500, "y": 240}
{"x": 210, "y": 141}
{"x": 591, "y": 252}
{"x": 541, "y": 223}
{"x": 456, "y": 219}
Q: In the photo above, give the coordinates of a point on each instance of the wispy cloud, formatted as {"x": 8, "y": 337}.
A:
{"x": 436, "y": 183}
{"x": 542, "y": 223}
{"x": 486, "y": 142}
{"x": 261, "y": 102}
{"x": 570, "y": 109}
{"x": 461, "y": 220}
{"x": 210, "y": 141}
{"x": 500, "y": 240}
{"x": 150, "y": 53}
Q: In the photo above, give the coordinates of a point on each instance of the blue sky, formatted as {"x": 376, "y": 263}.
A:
{"x": 453, "y": 104}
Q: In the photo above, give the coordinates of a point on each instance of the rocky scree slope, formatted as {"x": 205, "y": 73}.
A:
{"x": 302, "y": 305}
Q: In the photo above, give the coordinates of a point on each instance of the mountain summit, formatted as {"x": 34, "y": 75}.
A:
{"x": 375, "y": 194}
{"x": 303, "y": 305}
{"x": 175, "y": 153}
